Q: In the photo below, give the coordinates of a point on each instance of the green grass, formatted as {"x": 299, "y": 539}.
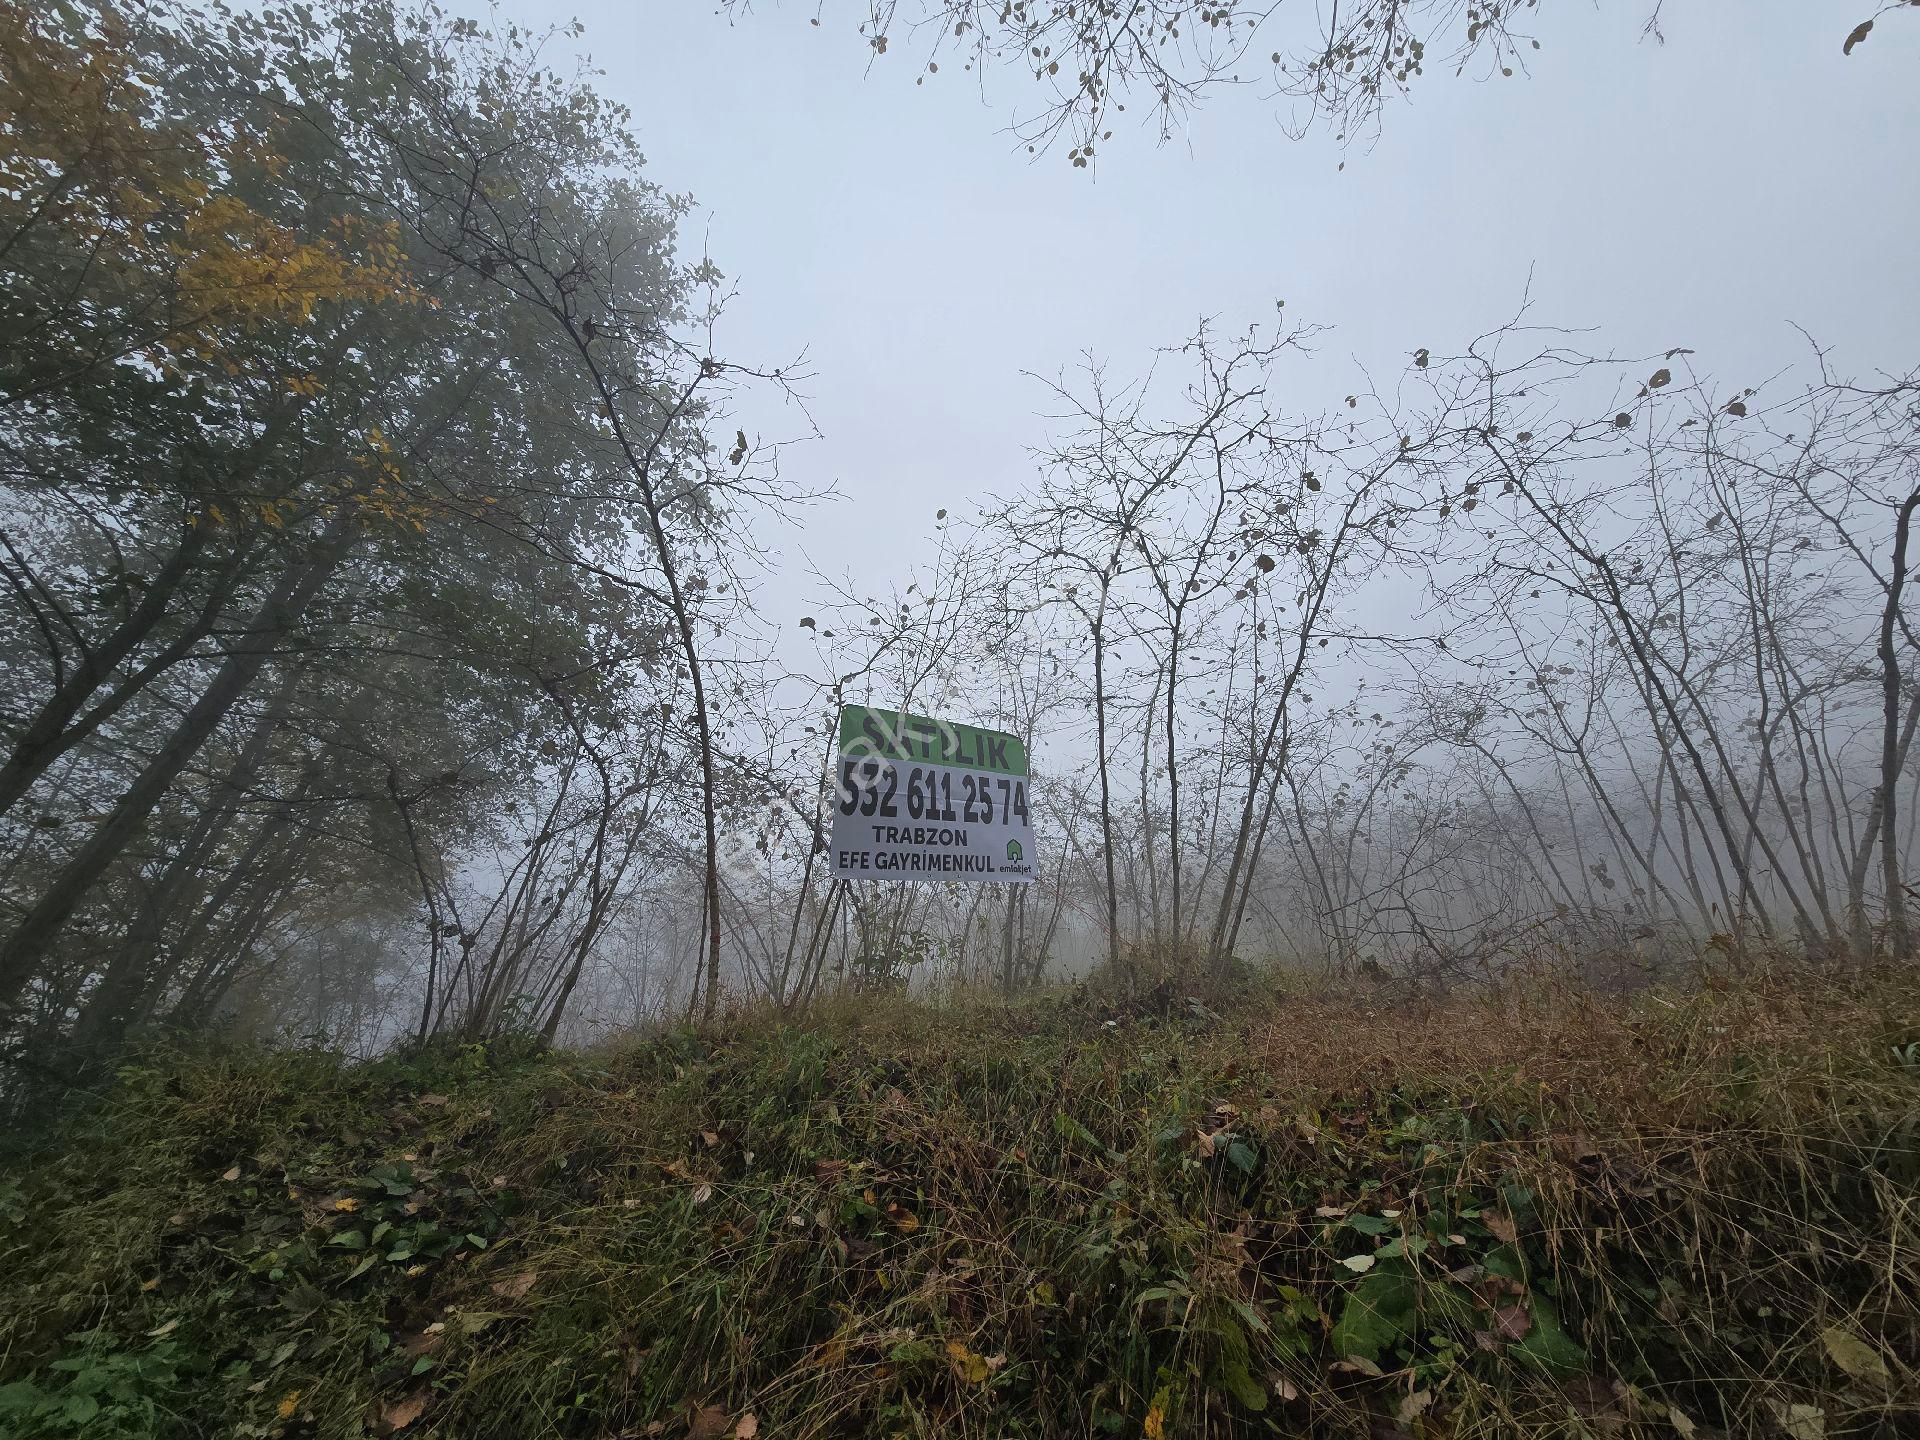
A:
{"x": 1528, "y": 1213}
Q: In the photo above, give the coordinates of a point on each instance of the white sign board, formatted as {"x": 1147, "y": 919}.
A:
{"x": 920, "y": 799}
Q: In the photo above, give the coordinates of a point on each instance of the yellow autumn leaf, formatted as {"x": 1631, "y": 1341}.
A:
{"x": 289, "y": 1403}
{"x": 1154, "y": 1427}
{"x": 347, "y": 1204}
{"x": 968, "y": 1364}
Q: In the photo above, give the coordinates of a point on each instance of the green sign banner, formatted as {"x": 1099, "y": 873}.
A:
{"x": 923, "y": 799}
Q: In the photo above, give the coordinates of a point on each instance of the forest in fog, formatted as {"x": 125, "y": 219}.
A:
{"x": 386, "y": 649}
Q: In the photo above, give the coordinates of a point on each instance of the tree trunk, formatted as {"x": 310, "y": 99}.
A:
{"x": 27, "y": 946}
{"x": 1106, "y": 793}
{"x": 49, "y": 735}
{"x": 1899, "y": 941}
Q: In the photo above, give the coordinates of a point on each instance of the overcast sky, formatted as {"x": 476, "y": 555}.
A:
{"x": 1703, "y": 192}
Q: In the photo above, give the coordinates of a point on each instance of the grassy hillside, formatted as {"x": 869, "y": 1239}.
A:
{"x": 1536, "y": 1213}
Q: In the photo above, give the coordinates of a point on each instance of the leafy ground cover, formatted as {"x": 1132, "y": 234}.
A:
{"x": 1529, "y": 1212}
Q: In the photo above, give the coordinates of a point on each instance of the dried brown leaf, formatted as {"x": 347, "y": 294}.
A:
{"x": 515, "y": 1287}
{"x": 404, "y": 1411}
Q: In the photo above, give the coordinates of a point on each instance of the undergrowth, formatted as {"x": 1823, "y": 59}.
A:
{"x": 1533, "y": 1212}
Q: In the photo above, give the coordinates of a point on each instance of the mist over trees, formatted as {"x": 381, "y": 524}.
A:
{"x": 379, "y": 544}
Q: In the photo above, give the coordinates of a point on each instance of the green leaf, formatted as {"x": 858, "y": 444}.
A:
{"x": 1378, "y": 1313}
{"x": 21, "y": 1397}
{"x": 1239, "y": 1383}
{"x": 1068, "y": 1128}
{"x": 1549, "y": 1346}
{"x": 79, "y": 1409}
{"x": 1369, "y": 1224}
{"x": 350, "y": 1240}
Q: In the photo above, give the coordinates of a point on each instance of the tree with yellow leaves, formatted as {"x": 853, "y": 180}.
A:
{"x": 301, "y": 512}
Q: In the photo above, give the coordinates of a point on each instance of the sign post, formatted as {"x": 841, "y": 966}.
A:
{"x": 922, "y": 799}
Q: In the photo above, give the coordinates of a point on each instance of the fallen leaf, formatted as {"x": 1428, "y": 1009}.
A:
{"x": 1800, "y": 1422}
{"x": 430, "y": 1098}
{"x": 403, "y": 1412}
{"x": 969, "y": 1365}
{"x": 166, "y": 1329}
{"x": 1413, "y": 1406}
{"x": 905, "y": 1221}
{"x": 289, "y": 1403}
{"x": 233, "y": 1174}
{"x": 1357, "y": 1365}
{"x": 1855, "y": 1356}
{"x": 1285, "y": 1388}
{"x": 746, "y": 1427}
{"x": 515, "y": 1287}
{"x": 1513, "y": 1321}
{"x": 1595, "y": 1398}
{"x": 1154, "y": 1427}
{"x": 826, "y": 1170}
{"x": 711, "y": 1138}
{"x": 425, "y": 1343}
{"x": 708, "y": 1422}
{"x": 1359, "y": 1264}
{"x": 346, "y": 1204}
{"x": 1501, "y": 1227}
{"x": 153, "y": 1284}
{"x": 1682, "y": 1423}
{"x": 702, "y": 1193}
{"x": 1331, "y": 1212}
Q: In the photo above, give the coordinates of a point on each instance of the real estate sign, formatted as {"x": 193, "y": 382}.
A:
{"x": 921, "y": 799}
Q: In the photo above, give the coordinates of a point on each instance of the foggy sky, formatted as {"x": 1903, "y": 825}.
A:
{"x": 1705, "y": 191}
